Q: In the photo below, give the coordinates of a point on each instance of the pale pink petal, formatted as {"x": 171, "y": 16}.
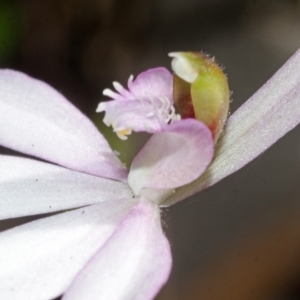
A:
{"x": 147, "y": 106}
{"x": 132, "y": 265}
{"x": 157, "y": 82}
{"x": 267, "y": 116}
{"x": 37, "y": 120}
{"x": 29, "y": 187}
{"x": 134, "y": 115}
{"x": 172, "y": 158}
{"x": 39, "y": 260}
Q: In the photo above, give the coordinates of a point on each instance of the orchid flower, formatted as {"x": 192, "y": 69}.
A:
{"x": 109, "y": 244}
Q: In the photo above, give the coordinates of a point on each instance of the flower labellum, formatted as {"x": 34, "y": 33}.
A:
{"x": 200, "y": 90}
{"x": 146, "y": 106}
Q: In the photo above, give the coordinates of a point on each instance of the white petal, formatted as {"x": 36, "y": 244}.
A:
{"x": 39, "y": 260}
{"x": 132, "y": 265}
{"x": 268, "y": 115}
{"x": 29, "y": 187}
{"x": 37, "y": 120}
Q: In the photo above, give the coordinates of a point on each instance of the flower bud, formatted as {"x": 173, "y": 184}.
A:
{"x": 200, "y": 90}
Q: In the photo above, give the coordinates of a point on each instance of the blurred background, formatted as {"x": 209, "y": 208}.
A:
{"x": 240, "y": 239}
